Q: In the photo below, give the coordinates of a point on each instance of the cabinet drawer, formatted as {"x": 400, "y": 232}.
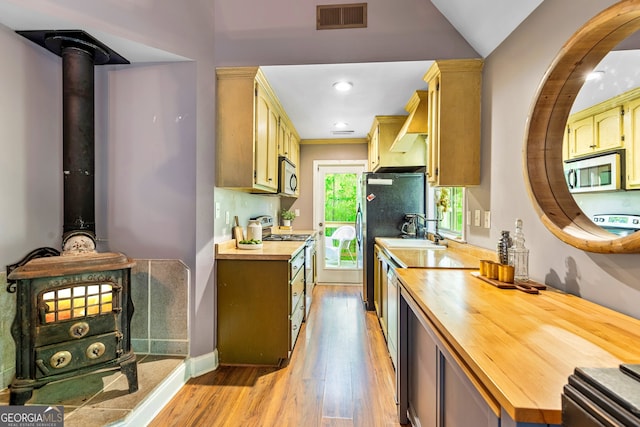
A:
{"x": 297, "y": 291}
{"x": 297, "y": 264}
{"x": 296, "y": 322}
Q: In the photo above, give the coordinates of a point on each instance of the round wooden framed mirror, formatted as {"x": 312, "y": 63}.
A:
{"x": 546, "y": 126}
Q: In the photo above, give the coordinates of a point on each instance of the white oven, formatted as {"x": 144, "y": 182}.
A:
{"x": 287, "y": 178}
{"x": 604, "y": 172}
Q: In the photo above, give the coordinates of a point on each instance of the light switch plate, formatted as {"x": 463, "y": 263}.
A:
{"x": 476, "y": 218}
{"x": 468, "y": 217}
{"x": 487, "y": 219}
{"x": 226, "y": 217}
{"x": 217, "y": 210}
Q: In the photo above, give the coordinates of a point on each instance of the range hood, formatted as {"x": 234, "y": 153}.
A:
{"x": 416, "y": 126}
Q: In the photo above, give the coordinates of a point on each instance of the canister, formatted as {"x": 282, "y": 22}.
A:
{"x": 254, "y": 230}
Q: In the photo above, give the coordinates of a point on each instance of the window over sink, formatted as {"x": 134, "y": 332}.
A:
{"x": 449, "y": 203}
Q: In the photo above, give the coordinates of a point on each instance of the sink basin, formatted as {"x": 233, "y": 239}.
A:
{"x": 410, "y": 243}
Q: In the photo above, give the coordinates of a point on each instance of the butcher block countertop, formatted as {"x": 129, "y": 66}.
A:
{"x": 270, "y": 251}
{"x": 451, "y": 257}
{"x": 521, "y": 348}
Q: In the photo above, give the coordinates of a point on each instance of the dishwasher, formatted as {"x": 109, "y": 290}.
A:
{"x": 393, "y": 302}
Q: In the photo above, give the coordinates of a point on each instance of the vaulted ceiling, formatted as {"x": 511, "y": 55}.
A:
{"x": 384, "y": 88}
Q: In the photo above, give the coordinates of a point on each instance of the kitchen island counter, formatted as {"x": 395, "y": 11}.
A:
{"x": 517, "y": 349}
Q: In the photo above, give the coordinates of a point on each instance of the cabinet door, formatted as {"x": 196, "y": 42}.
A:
{"x": 384, "y": 296}
{"x": 608, "y": 129}
{"x": 433, "y": 141}
{"x": 462, "y": 405}
{"x": 581, "y": 139}
{"x": 393, "y": 301}
{"x": 377, "y": 267}
{"x": 283, "y": 138}
{"x": 423, "y": 373}
{"x": 374, "y": 149}
{"x": 266, "y": 158}
{"x": 632, "y": 144}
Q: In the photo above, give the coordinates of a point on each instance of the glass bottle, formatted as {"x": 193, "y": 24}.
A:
{"x": 519, "y": 254}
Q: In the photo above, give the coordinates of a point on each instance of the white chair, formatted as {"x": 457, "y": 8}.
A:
{"x": 339, "y": 240}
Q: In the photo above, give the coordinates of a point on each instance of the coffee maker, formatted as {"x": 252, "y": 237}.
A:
{"x": 410, "y": 226}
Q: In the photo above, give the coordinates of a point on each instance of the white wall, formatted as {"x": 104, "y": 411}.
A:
{"x": 155, "y": 129}
{"x": 512, "y": 75}
{"x": 30, "y": 148}
{"x": 277, "y": 32}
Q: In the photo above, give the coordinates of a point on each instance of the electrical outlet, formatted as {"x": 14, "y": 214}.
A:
{"x": 476, "y": 218}
{"x": 297, "y": 212}
{"x": 487, "y": 219}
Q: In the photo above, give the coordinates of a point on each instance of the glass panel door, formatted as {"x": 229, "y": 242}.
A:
{"x": 336, "y": 195}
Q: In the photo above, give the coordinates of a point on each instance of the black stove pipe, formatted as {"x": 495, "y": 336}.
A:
{"x": 78, "y": 142}
{"x": 80, "y": 52}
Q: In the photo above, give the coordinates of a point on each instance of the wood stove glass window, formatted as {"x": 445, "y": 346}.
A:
{"x": 76, "y": 302}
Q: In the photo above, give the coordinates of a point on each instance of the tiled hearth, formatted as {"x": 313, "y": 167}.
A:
{"x": 102, "y": 398}
{"x": 159, "y": 337}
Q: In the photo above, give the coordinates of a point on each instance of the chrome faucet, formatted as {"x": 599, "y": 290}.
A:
{"x": 437, "y": 237}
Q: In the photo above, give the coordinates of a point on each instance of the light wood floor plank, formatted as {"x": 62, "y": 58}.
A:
{"x": 339, "y": 375}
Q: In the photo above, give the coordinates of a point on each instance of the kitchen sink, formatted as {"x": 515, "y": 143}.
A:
{"x": 410, "y": 243}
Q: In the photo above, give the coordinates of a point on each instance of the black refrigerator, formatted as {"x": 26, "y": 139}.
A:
{"x": 385, "y": 199}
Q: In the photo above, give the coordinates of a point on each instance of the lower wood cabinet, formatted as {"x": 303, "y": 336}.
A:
{"x": 432, "y": 387}
{"x": 261, "y": 307}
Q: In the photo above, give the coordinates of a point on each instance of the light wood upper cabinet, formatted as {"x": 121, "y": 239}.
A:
{"x": 454, "y": 122}
{"x": 632, "y": 143}
{"x": 374, "y": 148}
{"x": 266, "y": 158}
{"x": 593, "y": 130}
{"x": 381, "y": 136}
{"x": 252, "y": 130}
{"x": 580, "y": 137}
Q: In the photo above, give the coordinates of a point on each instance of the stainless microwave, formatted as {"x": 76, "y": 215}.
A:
{"x": 601, "y": 172}
{"x": 287, "y": 178}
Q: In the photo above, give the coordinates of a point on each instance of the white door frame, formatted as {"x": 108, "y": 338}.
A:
{"x": 342, "y": 275}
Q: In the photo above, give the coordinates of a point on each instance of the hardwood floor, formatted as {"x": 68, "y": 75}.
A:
{"x": 340, "y": 374}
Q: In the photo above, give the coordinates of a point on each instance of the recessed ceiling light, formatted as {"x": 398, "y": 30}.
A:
{"x": 340, "y": 125}
{"x": 342, "y": 86}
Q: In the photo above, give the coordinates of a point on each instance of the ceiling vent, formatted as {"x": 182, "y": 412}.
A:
{"x": 335, "y": 16}
{"x": 342, "y": 132}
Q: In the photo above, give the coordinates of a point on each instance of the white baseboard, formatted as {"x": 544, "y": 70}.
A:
{"x": 200, "y": 365}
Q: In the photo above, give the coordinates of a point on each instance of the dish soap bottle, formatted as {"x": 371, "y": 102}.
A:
{"x": 519, "y": 254}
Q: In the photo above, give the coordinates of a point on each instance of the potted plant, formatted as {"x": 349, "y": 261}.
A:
{"x": 287, "y": 216}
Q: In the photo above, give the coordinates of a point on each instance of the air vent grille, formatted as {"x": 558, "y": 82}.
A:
{"x": 334, "y": 16}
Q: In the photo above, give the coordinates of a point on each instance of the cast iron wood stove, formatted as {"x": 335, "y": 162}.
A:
{"x": 73, "y": 316}
{"x": 74, "y": 308}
